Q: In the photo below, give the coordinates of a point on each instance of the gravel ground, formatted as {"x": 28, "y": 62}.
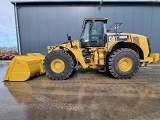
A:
{"x": 87, "y": 95}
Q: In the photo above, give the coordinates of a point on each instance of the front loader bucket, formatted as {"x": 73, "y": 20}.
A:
{"x": 21, "y": 68}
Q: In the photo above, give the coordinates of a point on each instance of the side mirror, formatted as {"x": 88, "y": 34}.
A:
{"x": 69, "y": 37}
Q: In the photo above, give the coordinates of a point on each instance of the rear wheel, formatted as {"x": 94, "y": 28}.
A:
{"x": 58, "y": 65}
{"x": 123, "y": 63}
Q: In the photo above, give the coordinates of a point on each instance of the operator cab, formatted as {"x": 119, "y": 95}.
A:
{"x": 94, "y": 32}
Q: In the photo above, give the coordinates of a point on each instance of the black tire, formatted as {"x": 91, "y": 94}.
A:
{"x": 68, "y": 62}
{"x": 114, "y": 59}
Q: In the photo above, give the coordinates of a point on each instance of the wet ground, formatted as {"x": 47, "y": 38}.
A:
{"x": 85, "y": 96}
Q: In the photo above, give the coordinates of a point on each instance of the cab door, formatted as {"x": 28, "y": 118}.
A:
{"x": 97, "y": 34}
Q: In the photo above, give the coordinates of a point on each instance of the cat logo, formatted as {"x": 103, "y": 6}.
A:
{"x": 122, "y": 37}
{"x": 112, "y": 38}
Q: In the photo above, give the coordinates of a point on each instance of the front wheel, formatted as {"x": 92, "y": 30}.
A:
{"x": 58, "y": 65}
{"x": 123, "y": 63}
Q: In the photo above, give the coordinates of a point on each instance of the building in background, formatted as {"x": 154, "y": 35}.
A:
{"x": 40, "y": 24}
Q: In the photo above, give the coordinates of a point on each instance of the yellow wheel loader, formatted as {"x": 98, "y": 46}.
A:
{"x": 106, "y": 50}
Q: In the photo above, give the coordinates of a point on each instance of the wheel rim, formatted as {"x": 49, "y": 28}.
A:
{"x": 125, "y": 64}
{"x": 57, "y": 65}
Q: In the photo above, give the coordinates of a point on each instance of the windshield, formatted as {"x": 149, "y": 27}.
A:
{"x": 85, "y": 33}
{"x": 97, "y": 28}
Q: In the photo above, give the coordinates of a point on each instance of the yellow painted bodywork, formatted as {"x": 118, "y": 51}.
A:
{"x": 21, "y": 68}
{"x": 142, "y": 42}
{"x": 152, "y": 58}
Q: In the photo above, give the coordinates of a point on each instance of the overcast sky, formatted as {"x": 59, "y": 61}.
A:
{"x": 7, "y": 25}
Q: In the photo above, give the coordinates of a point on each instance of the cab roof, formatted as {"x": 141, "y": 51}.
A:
{"x": 96, "y": 19}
